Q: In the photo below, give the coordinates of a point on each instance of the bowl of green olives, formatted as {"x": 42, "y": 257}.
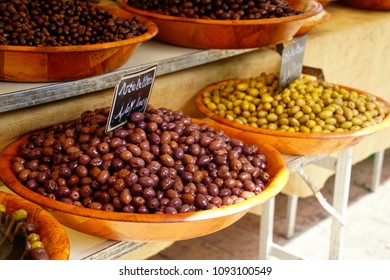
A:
{"x": 225, "y": 24}
{"x": 28, "y": 232}
{"x": 306, "y": 117}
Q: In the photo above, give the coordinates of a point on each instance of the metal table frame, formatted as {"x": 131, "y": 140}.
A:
{"x": 268, "y": 248}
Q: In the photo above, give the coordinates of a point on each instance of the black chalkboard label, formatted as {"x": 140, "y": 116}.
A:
{"x": 292, "y": 61}
{"x": 131, "y": 95}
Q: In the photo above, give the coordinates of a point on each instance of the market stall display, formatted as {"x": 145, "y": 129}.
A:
{"x": 51, "y": 233}
{"x": 307, "y": 117}
{"x": 163, "y": 177}
{"x": 228, "y": 34}
{"x": 62, "y": 48}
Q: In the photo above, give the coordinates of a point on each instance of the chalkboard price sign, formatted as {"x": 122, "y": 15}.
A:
{"x": 292, "y": 61}
{"x": 131, "y": 95}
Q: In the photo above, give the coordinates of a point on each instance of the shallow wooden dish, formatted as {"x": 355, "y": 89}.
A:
{"x": 296, "y": 143}
{"x": 228, "y": 34}
{"x": 49, "y": 64}
{"x": 310, "y": 23}
{"x": 380, "y": 5}
{"x": 51, "y": 232}
{"x": 151, "y": 227}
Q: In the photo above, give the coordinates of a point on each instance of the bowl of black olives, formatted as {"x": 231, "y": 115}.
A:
{"x": 62, "y": 40}
{"x": 163, "y": 176}
{"x": 28, "y": 232}
{"x": 225, "y": 24}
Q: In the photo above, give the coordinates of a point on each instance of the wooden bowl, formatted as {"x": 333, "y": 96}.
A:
{"x": 151, "y": 227}
{"x": 312, "y": 22}
{"x": 51, "y": 232}
{"x": 296, "y": 143}
{"x": 49, "y": 64}
{"x": 228, "y": 34}
{"x": 380, "y": 5}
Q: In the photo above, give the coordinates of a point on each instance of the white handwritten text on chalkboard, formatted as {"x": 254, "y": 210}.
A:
{"x": 131, "y": 95}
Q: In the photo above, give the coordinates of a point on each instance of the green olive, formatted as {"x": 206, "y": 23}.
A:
{"x": 346, "y": 125}
{"x": 242, "y": 86}
{"x": 266, "y": 98}
{"x": 325, "y": 114}
{"x": 316, "y": 129}
{"x": 283, "y": 121}
{"x": 304, "y": 129}
{"x": 304, "y": 118}
{"x": 212, "y": 106}
{"x": 253, "y": 92}
{"x": 37, "y": 244}
{"x": 348, "y": 114}
{"x": 294, "y": 122}
{"x": 272, "y": 117}
{"x": 20, "y": 215}
{"x": 357, "y": 121}
{"x": 272, "y": 126}
{"x": 311, "y": 123}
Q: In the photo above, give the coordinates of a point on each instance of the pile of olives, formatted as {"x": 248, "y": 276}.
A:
{"x": 61, "y": 23}
{"x": 158, "y": 162}
{"x": 305, "y": 105}
{"x": 221, "y": 10}
{"x": 35, "y": 249}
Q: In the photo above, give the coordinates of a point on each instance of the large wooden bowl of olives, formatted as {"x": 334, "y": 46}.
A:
{"x": 41, "y": 223}
{"x": 306, "y": 117}
{"x": 59, "y": 42}
{"x": 175, "y": 178}
{"x": 380, "y": 5}
{"x": 227, "y": 27}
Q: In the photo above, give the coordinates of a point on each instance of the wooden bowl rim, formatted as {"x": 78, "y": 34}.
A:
{"x": 294, "y": 135}
{"x": 315, "y": 8}
{"x": 276, "y": 184}
{"x": 42, "y": 215}
{"x": 151, "y": 32}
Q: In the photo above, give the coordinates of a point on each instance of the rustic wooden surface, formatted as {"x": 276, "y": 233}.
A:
{"x": 228, "y": 34}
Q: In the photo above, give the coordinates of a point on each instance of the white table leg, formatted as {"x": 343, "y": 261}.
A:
{"x": 266, "y": 228}
{"x": 292, "y": 205}
{"x": 340, "y": 200}
{"x": 377, "y": 170}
